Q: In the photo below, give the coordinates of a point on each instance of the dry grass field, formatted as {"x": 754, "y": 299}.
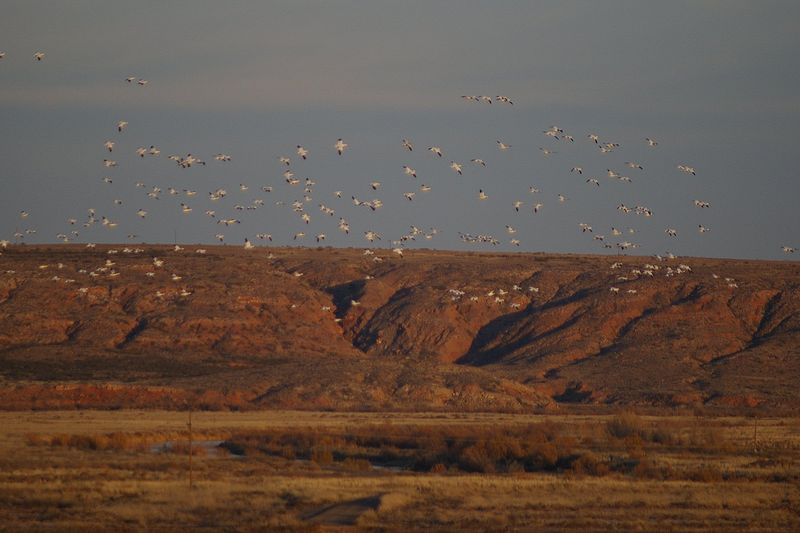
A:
{"x": 129, "y": 470}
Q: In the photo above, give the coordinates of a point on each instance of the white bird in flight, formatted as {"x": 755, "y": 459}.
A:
{"x": 302, "y": 152}
{"x": 436, "y": 150}
{"x": 38, "y": 56}
{"x": 340, "y": 146}
{"x": 456, "y": 167}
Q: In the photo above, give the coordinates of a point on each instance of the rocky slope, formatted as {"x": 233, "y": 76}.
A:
{"x": 442, "y": 330}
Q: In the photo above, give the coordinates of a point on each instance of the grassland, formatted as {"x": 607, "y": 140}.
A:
{"x": 97, "y": 470}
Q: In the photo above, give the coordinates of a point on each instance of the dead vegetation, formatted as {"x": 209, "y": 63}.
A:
{"x": 440, "y": 471}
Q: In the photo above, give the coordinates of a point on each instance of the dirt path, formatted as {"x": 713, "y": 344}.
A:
{"x": 342, "y": 514}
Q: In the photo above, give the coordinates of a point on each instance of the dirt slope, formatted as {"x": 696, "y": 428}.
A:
{"x": 512, "y": 330}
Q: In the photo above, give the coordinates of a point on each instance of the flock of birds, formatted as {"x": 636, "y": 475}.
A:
{"x": 226, "y": 216}
{"x": 514, "y": 297}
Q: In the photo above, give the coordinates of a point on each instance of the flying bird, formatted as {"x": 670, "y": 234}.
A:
{"x": 302, "y": 152}
{"x": 340, "y": 146}
{"x": 38, "y": 56}
{"x": 456, "y": 167}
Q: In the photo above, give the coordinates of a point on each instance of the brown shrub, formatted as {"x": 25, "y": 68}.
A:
{"x": 706, "y": 474}
{"x": 625, "y": 425}
{"x": 438, "y": 468}
{"x": 322, "y": 455}
{"x": 356, "y": 465}
{"x": 590, "y": 464}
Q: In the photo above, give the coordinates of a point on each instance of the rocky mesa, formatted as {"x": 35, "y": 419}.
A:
{"x": 332, "y": 328}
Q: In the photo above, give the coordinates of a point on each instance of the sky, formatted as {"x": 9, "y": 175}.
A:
{"x": 716, "y": 84}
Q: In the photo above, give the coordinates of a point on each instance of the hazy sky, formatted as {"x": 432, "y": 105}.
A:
{"x": 717, "y": 84}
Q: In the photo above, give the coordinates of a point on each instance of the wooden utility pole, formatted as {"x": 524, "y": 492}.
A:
{"x": 191, "y": 473}
{"x": 755, "y": 432}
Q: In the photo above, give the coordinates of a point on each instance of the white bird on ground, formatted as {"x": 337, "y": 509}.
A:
{"x": 456, "y": 167}
{"x": 340, "y": 146}
{"x": 436, "y": 150}
{"x": 247, "y": 244}
{"x": 409, "y": 171}
{"x": 302, "y": 152}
